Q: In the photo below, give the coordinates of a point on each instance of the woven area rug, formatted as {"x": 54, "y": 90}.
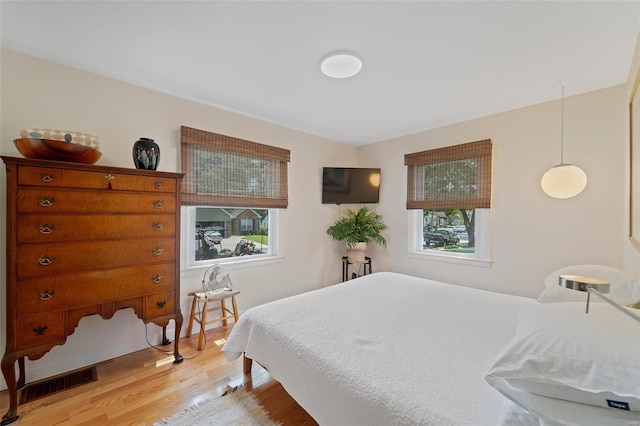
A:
{"x": 238, "y": 407}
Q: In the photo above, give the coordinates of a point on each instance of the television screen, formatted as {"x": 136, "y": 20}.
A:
{"x": 349, "y": 185}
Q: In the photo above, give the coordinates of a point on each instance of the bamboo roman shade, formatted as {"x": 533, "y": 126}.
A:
{"x": 230, "y": 172}
{"x": 454, "y": 177}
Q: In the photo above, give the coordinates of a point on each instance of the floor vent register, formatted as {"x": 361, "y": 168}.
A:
{"x": 52, "y": 385}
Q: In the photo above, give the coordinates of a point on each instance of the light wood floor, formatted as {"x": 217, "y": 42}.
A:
{"x": 145, "y": 386}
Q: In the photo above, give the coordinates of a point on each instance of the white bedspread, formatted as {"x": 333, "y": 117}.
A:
{"x": 384, "y": 349}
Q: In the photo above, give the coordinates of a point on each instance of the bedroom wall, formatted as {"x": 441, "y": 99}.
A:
{"x": 37, "y": 93}
{"x": 533, "y": 234}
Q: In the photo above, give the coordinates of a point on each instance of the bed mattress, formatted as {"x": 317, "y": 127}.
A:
{"x": 384, "y": 349}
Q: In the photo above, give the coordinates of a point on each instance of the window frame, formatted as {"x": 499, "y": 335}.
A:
{"x": 481, "y": 256}
{"x": 188, "y": 224}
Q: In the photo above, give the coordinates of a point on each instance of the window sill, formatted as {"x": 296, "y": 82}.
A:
{"x": 451, "y": 258}
{"x": 239, "y": 262}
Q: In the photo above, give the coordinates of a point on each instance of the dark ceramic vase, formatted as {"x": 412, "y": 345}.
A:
{"x": 146, "y": 154}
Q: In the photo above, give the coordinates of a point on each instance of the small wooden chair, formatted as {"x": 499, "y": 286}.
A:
{"x": 225, "y": 313}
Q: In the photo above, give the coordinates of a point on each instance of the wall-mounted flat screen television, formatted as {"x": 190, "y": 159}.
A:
{"x": 350, "y": 185}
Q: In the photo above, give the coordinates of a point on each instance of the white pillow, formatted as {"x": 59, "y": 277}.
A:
{"x": 544, "y": 411}
{"x": 559, "y": 353}
{"x": 625, "y": 289}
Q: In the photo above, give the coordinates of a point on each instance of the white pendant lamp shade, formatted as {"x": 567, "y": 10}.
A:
{"x": 564, "y": 181}
{"x": 341, "y": 65}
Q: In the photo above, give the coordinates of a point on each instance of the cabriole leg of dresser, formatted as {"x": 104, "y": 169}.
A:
{"x": 176, "y": 351}
{"x": 9, "y": 373}
{"x": 165, "y": 341}
{"x": 22, "y": 378}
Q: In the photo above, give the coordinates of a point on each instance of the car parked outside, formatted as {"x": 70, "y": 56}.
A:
{"x": 463, "y": 239}
{"x": 212, "y": 237}
{"x": 441, "y": 237}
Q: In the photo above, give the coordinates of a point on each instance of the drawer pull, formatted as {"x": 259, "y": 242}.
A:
{"x": 161, "y": 303}
{"x": 40, "y": 330}
{"x": 158, "y": 251}
{"x": 158, "y": 204}
{"x": 46, "y": 177}
{"x": 158, "y": 184}
{"x": 46, "y": 201}
{"x": 47, "y": 294}
{"x": 46, "y": 229}
{"x": 157, "y": 226}
{"x": 156, "y": 278}
{"x": 109, "y": 178}
{"x": 46, "y": 260}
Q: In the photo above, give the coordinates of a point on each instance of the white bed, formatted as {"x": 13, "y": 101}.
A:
{"x": 384, "y": 349}
{"x": 390, "y": 349}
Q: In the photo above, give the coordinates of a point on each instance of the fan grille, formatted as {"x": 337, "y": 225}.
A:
{"x": 216, "y": 279}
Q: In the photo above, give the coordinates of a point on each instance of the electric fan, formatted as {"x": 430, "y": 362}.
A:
{"x": 216, "y": 280}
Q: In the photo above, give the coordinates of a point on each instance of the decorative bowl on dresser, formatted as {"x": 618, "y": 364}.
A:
{"x": 46, "y": 149}
{"x": 126, "y": 225}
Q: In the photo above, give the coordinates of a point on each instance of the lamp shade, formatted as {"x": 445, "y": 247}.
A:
{"x": 593, "y": 286}
{"x": 563, "y": 181}
{"x": 580, "y": 283}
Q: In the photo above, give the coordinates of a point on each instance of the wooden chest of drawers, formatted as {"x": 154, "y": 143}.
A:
{"x": 83, "y": 240}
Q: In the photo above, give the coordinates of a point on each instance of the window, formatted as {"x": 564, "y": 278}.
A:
{"x": 450, "y": 190}
{"x": 220, "y": 233}
{"x": 246, "y": 225}
{"x": 232, "y": 189}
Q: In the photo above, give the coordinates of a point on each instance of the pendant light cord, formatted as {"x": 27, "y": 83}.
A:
{"x": 562, "y": 128}
{"x": 563, "y": 180}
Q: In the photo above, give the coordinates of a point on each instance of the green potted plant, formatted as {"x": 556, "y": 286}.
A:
{"x": 357, "y": 229}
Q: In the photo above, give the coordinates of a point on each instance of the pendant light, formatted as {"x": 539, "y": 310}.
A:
{"x": 563, "y": 180}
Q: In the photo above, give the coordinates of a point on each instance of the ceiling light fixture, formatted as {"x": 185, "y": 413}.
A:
{"x": 340, "y": 64}
{"x": 563, "y": 180}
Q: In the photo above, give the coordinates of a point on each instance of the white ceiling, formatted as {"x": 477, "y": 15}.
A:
{"x": 426, "y": 63}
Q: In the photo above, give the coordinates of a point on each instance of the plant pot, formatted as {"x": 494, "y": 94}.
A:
{"x": 357, "y": 253}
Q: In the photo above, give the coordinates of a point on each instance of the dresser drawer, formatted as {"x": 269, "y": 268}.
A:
{"x": 54, "y": 258}
{"x": 69, "y": 291}
{"x": 53, "y": 177}
{"x": 51, "y": 227}
{"x": 157, "y": 305}
{"x": 39, "y": 329}
{"x": 39, "y": 200}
